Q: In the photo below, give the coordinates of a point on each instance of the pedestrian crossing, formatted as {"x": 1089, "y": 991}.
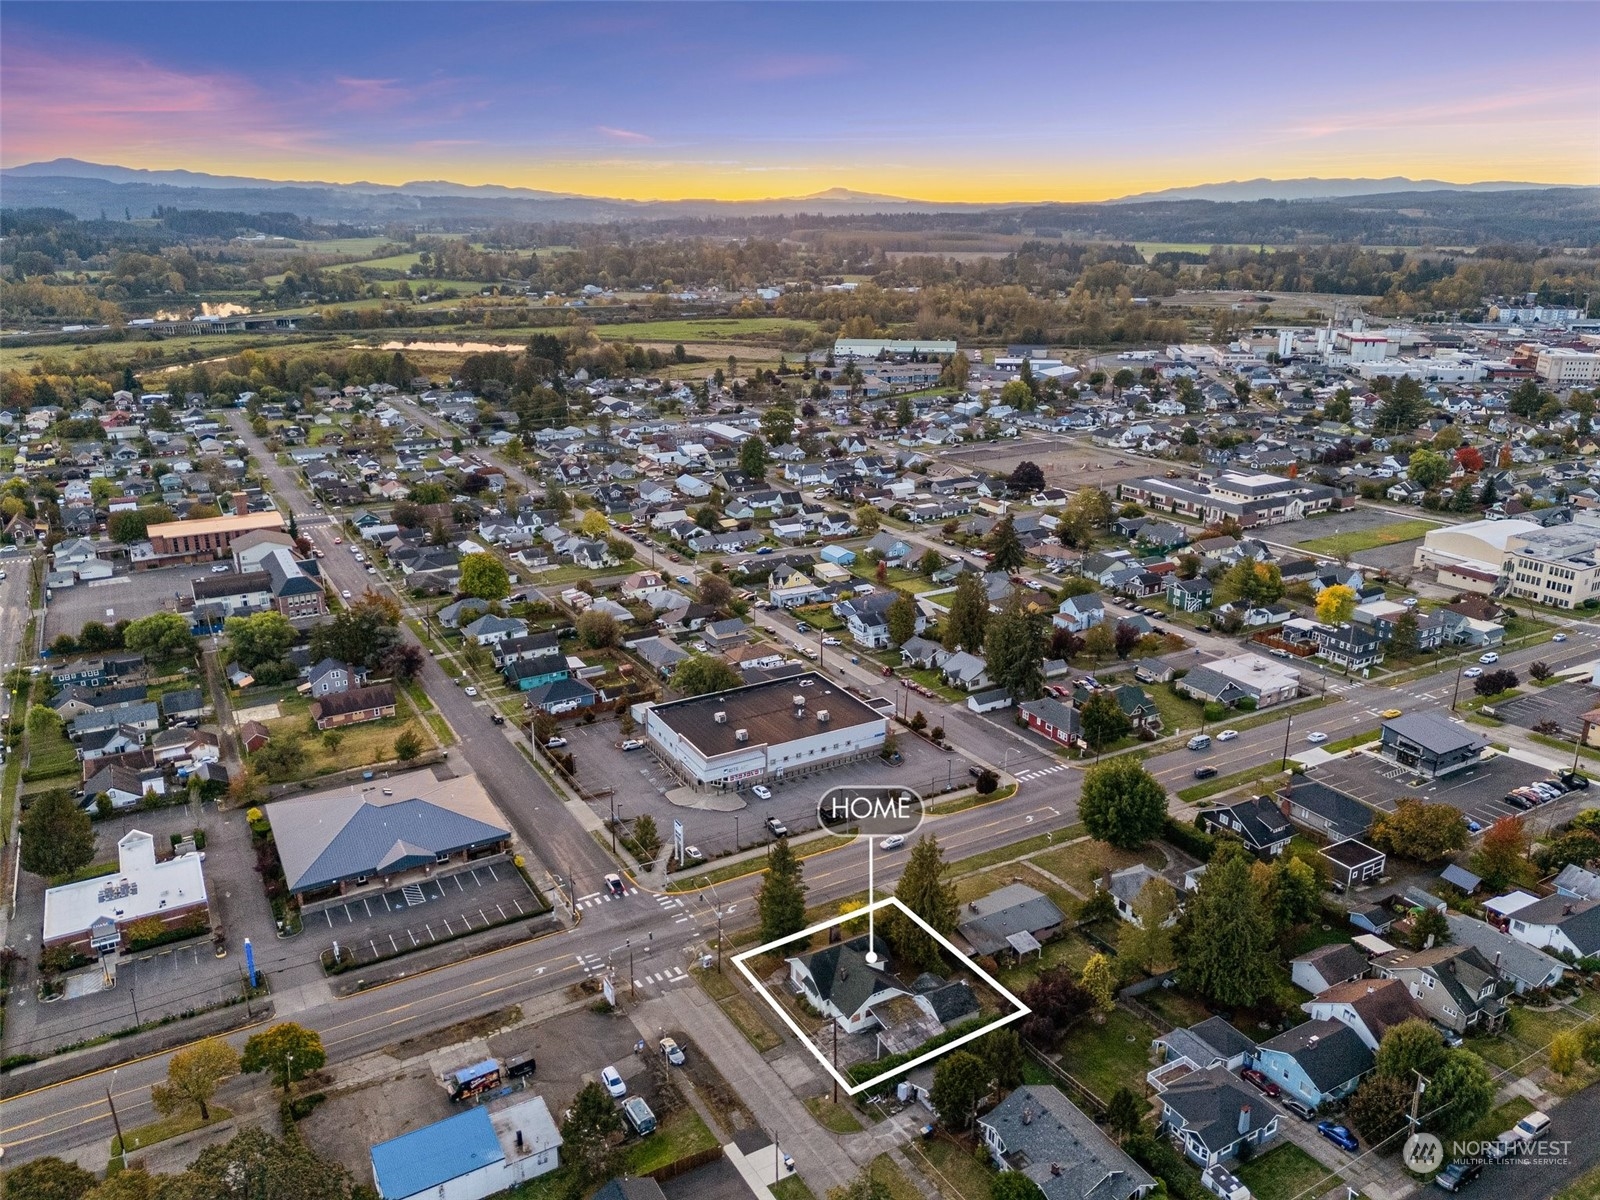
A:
{"x": 662, "y": 978}
{"x": 591, "y": 964}
{"x": 596, "y": 899}
{"x": 1024, "y": 776}
{"x": 674, "y": 907}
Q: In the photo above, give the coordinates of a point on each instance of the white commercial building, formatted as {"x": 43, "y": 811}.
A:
{"x": 770, "y": 730}
{"x": 1471, "y": 555}
{"x": 1559, "y": 566}
{"x": 94, "y": 913}
{"x": 1563, "y": 367}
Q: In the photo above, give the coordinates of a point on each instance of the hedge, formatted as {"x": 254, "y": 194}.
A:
{"x": 1189, "y": 839}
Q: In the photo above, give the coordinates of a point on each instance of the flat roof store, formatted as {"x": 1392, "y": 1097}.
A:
{"x": 771, "y": 730}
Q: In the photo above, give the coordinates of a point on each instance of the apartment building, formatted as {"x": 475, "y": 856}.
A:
{"x": 1558, "y": 566}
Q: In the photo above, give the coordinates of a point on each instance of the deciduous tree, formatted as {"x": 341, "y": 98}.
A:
{"x": 160, "y": 635}
{"x": 1147, "y": 942}
{"x": 960, "y": 1082}
{"x": 285, "y": 1052}
{"x": 193, "y": 1076}
{"x": 701, "y": 674}
{"x": 57, "y": 836}
{"x": 484, "y": 576}
{"x": 1097, "y": 980}
{"x": 1336, "y": 604}
{"x": 1412, "y": 1045}
{"x": 1502, "y": 856}
{"x": 1423, "y": 833}
{"x": 47, "y": 1179}
{"x": 1460, "y": 1093}
{"x": 1102, "y": 720}
{"x": 1122, "y": 803}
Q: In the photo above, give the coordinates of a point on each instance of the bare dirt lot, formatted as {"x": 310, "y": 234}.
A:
{"x": 1067, "y": 462}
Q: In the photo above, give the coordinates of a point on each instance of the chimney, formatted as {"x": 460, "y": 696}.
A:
{"x": 1566, "y": 910}
{"x": 1027, "y": 1114}
{"x": 241, "y": 504}
{"x": 1244, "y": 1119}
{"x": 1284, "y": 805}
{"x": 519, "y": 1141}
{"x": 1312, "y": 1040}
{"x": 1055, "y": 1169}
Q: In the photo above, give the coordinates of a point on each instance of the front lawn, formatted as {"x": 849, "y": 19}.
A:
{"x": 1083, "y": 863}
{"x": 831, "y": 1116}
{"x": 1285, "y": 1173}
{"x": 677, "y": 1135}
{"x": 957, "y": 1174}
{"x": 1107, "y": 1056}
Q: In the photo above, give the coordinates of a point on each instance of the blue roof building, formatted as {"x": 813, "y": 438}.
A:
{"x": 471, "y": 1155}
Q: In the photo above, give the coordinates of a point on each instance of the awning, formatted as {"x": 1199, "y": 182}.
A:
{"x": 1024, "y": 943}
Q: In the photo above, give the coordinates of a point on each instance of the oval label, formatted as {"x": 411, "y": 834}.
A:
{"x": 872, "y": 810}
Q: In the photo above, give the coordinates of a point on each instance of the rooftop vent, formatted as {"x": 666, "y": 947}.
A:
{"x": 799, "y": 701}
{"x": 822, "y": 715}
{"x": 741, "y": 735}
{"x": 721, "y": 718}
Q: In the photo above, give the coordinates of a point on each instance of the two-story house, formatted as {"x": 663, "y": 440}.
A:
{"x": 842, "y": 985}
{"x": 1316, "y": 1062}
{"x": 1039, "y": 1133}
{"x": 1455, "y": 985}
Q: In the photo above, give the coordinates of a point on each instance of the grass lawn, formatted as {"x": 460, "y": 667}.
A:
{"x": 1067, "y": 949}
{"x": 896, "y": 1182}
{"x": 358, "y": 745}
{"x": 1285, "y": 1173}
{"x": 739, "y": 1009}
{"x": 1177, "y": 712}
{"x": 1529, "y": 1032}
{"x": 1498, "y": 1121}
{"x": 1226, "y": 783}
{"x": 50, "y": 755}
{"x": 792, "y": 1187}
{"x": 677, "y": 1136}
{"x": 1108, "y": 1056}
{"x": 1082, "y": 863}
{"x": 956, "y": 1174}
{"x": 1584, "y": 1187}
{"x": 1176, "y": 1008}
{"x": 831, "y": 1116}
{"x": 171, "y": 1127}
{"x": 970, "y": 887}
{"x": 932, "y": 679}
{"x": 715, "y": 329}
{"x": 1368, "y": 539}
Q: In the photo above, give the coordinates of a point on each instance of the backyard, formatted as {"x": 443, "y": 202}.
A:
{"x": 1104, "y": 1056}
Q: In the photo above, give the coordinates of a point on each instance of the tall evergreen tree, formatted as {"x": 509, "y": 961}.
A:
{"x": 968, "y": 619}
{"x": 1005, "y": 546}
{"x": 1227, "y": 933}
{"x": 782, "y": 898}
{"x": 924, "y": 890}
{"x": 901, "y": 617}
{"x": 1013, "y": 647}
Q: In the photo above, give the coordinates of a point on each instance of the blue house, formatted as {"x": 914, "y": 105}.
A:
{"x": 1316, "y": 1061}
{"x": 529, "y": 673}
{"x": 839, "y": 555}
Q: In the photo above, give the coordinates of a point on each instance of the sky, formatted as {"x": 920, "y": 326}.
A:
{"x": 938, "y": 101}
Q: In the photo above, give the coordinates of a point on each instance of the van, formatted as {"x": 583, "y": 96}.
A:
{"x": 638, "y": 1116}
{"x": 1532, "y": 1127}
{"x": 1200, "y": 741}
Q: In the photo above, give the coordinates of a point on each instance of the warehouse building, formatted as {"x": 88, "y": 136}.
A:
{"x": 771, "y": 730}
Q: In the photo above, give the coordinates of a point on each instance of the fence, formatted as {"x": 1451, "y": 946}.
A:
{"x": 1076, "y": 1088}
{"x": 687, "y": 1163}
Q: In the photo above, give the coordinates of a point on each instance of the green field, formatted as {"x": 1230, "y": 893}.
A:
{"x": 710, "y": 330}
{"x": 1368, "y": 539}
{"x": 1286, "y": 1173}
{"x": 395, "y": 262}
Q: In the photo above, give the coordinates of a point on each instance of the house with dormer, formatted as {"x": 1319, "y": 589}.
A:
{"x": 842, "y": 985}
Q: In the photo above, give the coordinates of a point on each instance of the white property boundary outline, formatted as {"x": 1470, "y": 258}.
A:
{"x": 1022, "y": 1010}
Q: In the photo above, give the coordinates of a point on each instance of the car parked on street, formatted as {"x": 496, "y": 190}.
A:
{"x": 555, "y": 743}
{"x": 1458, "y": 1174}
{"x": 1304, "y": 1112}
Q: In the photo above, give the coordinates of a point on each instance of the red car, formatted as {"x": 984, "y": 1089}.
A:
{"x": 1259, "y": 1081}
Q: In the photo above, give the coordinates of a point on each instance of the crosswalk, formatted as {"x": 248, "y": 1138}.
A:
{"x": 591, "y": 964}
{"x": 662, "y": 978}
{"x": 1039, "y": 773}
{"x": 674, "y": 907}
{"x": 596, "y": 899}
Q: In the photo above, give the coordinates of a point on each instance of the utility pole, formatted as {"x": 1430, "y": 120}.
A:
{"x": 1416, "y": 1099}
{"x": 1456, "y": 695}
{"x": 117, "y": 1124}
{"x": 1287, "y": 726}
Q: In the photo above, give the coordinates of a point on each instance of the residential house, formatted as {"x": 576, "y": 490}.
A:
{"x": 1353, "y": 863}
{"x": 253, "y": 735}
{"x": 1015, "y": 918}
{"x": 1325, "y": 810}
{"x": 185, "y": 704}
{"x": 841, "y": 984}
{"x": 1256, "y": 821}
{"x": 922, "y": 654}
{"x": 1353, "y": 647}
{"x": 330, "y": 676}
{"x": 1039, "y": 1133}
{"x": 966, "y": 671}
{"x": 1206, "y": 1044}
{"x": 1371, "y": 1007}
{"x": 1318, "y": 970}
{"x": 1455, "y": 985}
{"x": 122, "y": 786}
{"x": 1050, "y": 718}
{"x": 1125, "y": 887}
{"x": 1211, "y": 1113}
{"x": 1316, "y": 1062}
{"x": 353, "y": 707}
{"x": 1079, "y": 614}
{"x": 490, "y": 629}
{"x": 1560, "y": 924}
{"x": 1529, "y": 969}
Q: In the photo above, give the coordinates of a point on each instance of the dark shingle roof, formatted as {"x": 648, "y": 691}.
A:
{"x": 1050, "y": 1141}
{"x": 1011, "y": 909}
{"x": 374, "y": 839}
{"x": 1331, "y": 1054}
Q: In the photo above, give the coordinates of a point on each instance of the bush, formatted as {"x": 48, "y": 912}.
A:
{"x": 987, "y": 782}
{"x": 1189, "y": 839}
{"x": 1245, "y": 704}
{"x": 1214, "y": 711}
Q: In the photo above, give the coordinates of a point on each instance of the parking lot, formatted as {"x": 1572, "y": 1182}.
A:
{"x": 1478, "y": 791}
{"x": 128, "y": 595}
{"x": 384, "y": 924}
{"x": 641, "y": 784}
{"x": 1563, "y": 703}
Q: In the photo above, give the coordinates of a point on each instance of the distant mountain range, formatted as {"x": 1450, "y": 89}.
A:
{"x": 1393, "y": 211}
{"x": 1321, "y": 189}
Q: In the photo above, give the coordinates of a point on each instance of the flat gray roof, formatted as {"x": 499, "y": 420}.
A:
{"x": 767, "y": 712}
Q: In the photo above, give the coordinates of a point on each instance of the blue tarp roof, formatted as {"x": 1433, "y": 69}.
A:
{"x": 425, "y": 1158}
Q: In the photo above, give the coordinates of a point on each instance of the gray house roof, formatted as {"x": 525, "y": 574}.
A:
{"x": 1434, "y": 733}
{"x": 1330, "y": 1053}
{"x": 343, "y": 837}
{"x": 988, "y": 922}
{"x": 1530, "y": 967}
{"x": 842, "y": 975}
{"x": 1046, "y": 1138}
{"x": 1209, "y": 1103}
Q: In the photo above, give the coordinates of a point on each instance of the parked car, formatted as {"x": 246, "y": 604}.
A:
{"x": 1449, "y": 1036}
{"x": 633, "y": 744}
{"x": 472, "y": 691}
{"x": 497, "y": 718}
{"x": 1488, "y": 658}
{"x": 672, "y": 1051}
{"x": 1458, "y": 1174}
{"x": 802, "y": 627}
{"x": 975, "y": 771}
{"x": 1302, "y": 1111}
{"x": 831, "y": 641}
{"x": 555, "y": 743}
{"x": 221, "y": 569}
{"x": 777, "y": 828}
{"x": 1259, "y": 1081}
{"x": 613, "y": 1083}
{"x": 1339, "y": 1136}
{"x": 345, "y": 593}
{"x": 1227, "y": 735}
{"x": 1574, "y": 780}
{"x": 683, "y": 579}
{"x": 761, "y": 792}
{"x": 692, "y": 854}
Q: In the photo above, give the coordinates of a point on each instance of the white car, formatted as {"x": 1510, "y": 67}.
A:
{"x": 1560, "y": 637}
{"x": 554, "y": 743}
{"x": 831, "y": 641}
{"x": 1316, "y": 738}
{"x": 893, "y": 842}
{"x": 1227, "y": 735}
{"x": 221, "y": 569}
{"x": 345, "y": 593}
{"x": 1409, "y": 602}
{"x": 1472, "y": 672}
{"x": 692, "y": 853}
{"x": 633, "y": 744}
{"x": 760, "y": 792}
{"x": 613, "y": 1083}
{"x": 472, "y": 691}
{"x": 1490, "y": 657}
